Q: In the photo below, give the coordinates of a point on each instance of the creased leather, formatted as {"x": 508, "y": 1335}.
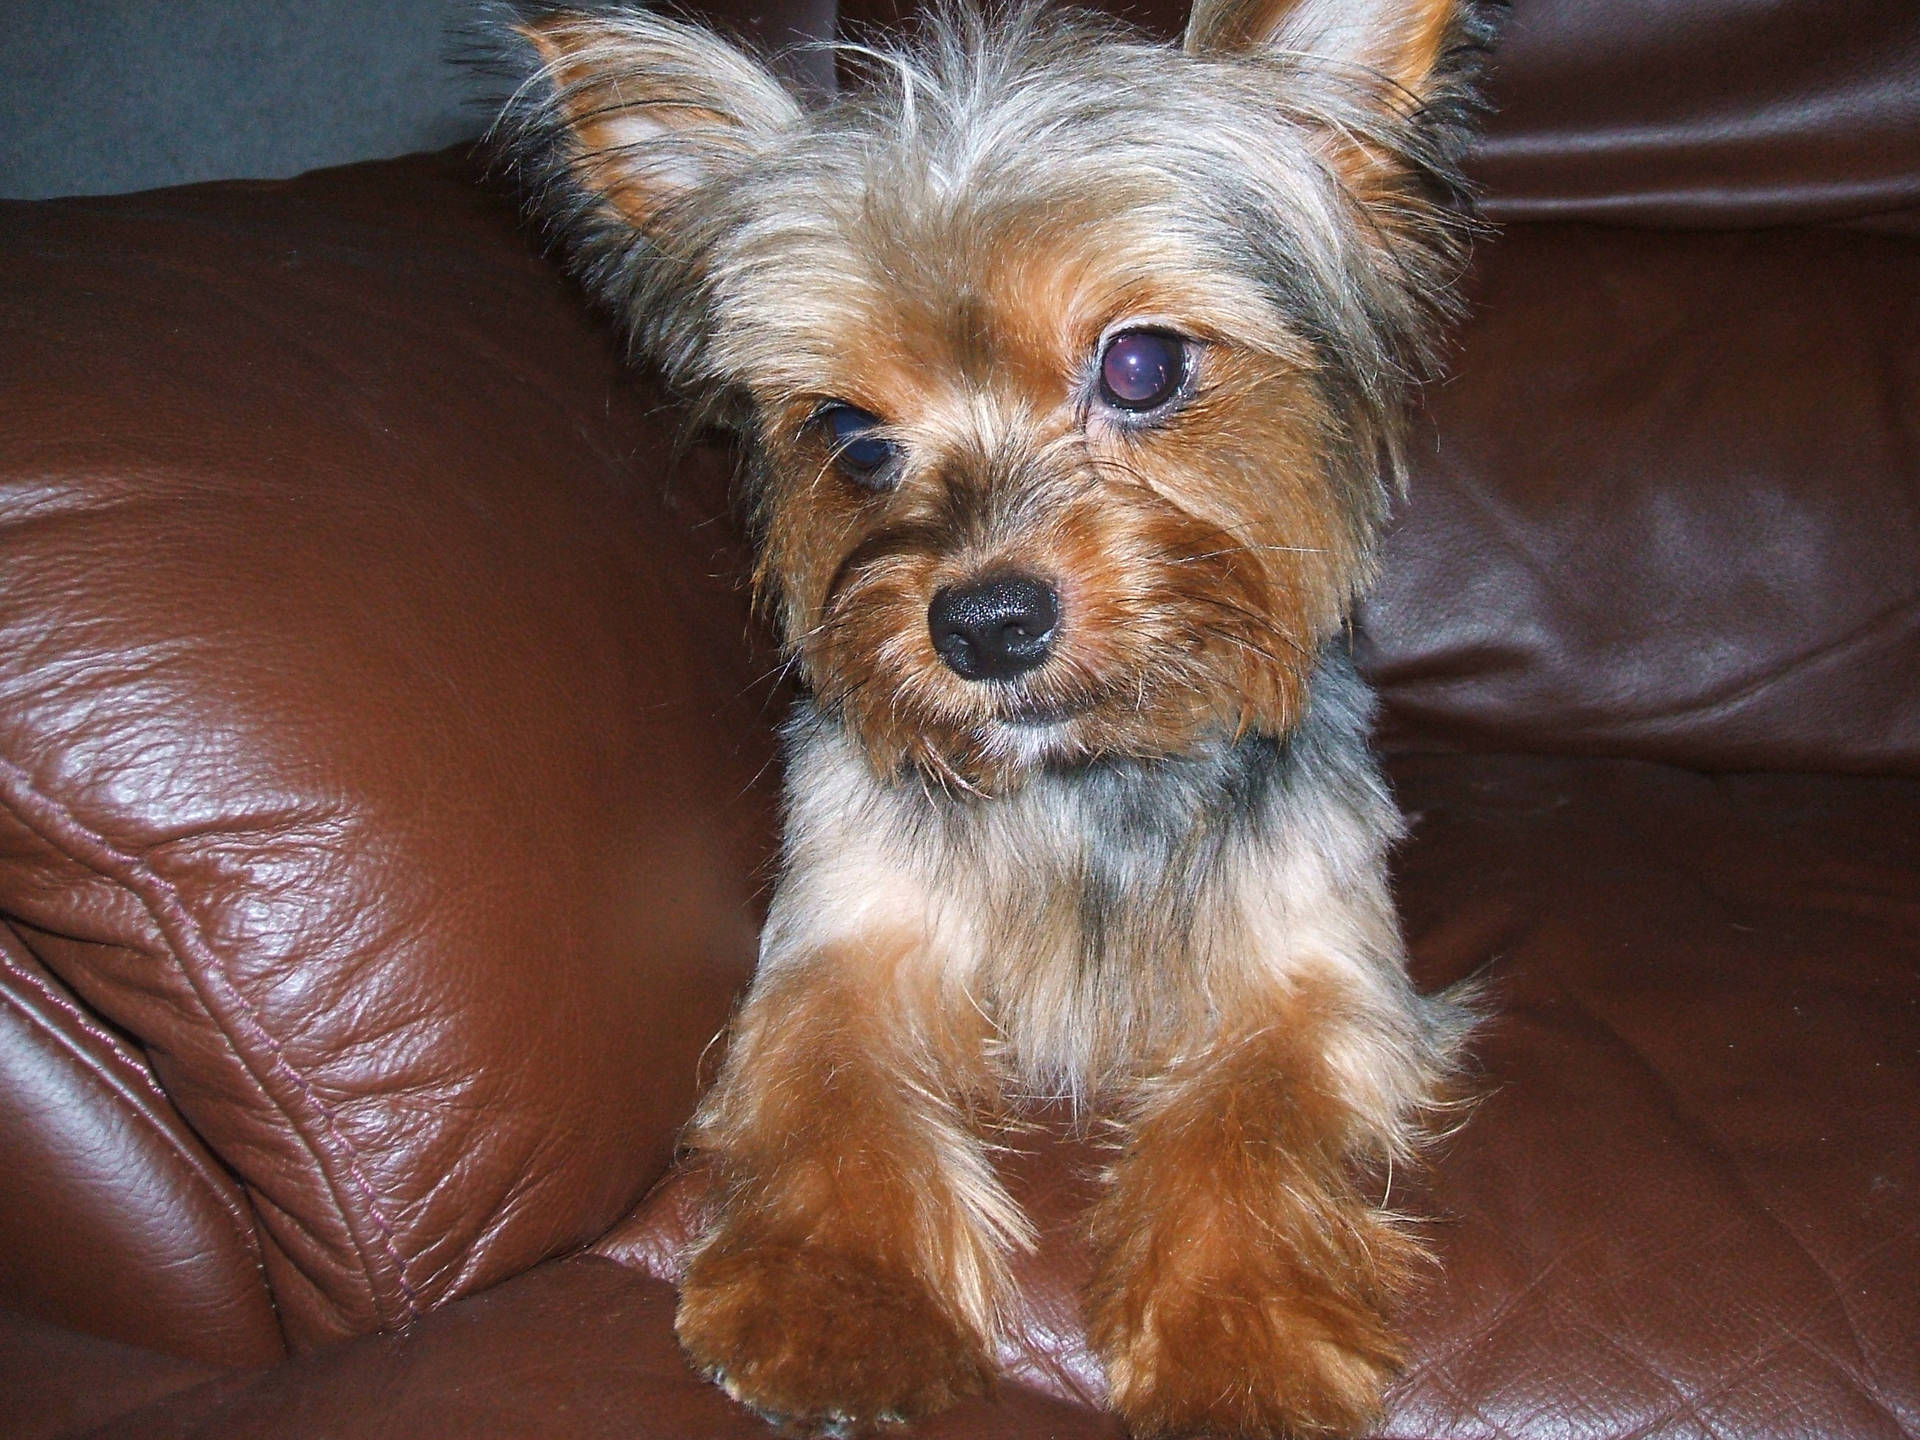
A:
{"x": 395, "y": 803}
{"x": 1716, "y": 113}
{"x": 115, "y": 1220}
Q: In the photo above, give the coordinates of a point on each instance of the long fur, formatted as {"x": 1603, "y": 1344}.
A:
{"x": 1149, "y": 876}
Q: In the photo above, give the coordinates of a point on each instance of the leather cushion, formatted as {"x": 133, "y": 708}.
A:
{"x": 117, "y": 1221}
{"x": 580, "y": 1349}
{"x": 1667, "y": 505}
{"x": 374, "y": 728}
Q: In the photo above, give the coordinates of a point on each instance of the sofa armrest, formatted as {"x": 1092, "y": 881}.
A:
{"x": 376, "y": 735}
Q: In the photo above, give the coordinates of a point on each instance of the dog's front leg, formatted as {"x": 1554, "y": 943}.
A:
{"x": 858, "y": 1259}
{"x": 1243, "y": 1275}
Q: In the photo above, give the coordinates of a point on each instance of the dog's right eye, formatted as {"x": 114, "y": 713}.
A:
{"x": 858, "y": 449}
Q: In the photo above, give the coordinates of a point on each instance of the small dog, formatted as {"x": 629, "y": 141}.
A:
{"x": 1068, "y": 368}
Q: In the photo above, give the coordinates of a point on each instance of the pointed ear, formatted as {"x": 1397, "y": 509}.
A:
{"x": 644, "y": 108}
{"x": 1404, "y": 45}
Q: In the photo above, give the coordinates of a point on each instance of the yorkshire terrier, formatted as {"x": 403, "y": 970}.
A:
{"x": 1068, "y": 369}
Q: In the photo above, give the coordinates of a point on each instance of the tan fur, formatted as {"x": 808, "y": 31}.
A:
{"x": 856, "y": 1200}
{"x": 1242, "y": 1276}
{"x": 1399, "y": 43}
{"x": 640, "y": 150}
{"x": 1388, "y": 48}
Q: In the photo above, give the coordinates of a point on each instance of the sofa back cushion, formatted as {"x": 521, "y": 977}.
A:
{"x": 1667, "y": 505}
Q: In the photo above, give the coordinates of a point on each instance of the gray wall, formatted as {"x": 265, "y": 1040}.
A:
{"x": 99, "y": 96}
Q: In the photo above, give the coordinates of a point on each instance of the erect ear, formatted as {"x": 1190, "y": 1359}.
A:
{"x": 645, "y": 108}
{"x": 1403, "y": 46}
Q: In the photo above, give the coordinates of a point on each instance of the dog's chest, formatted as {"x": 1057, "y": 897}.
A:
{"x": 1092, "y": 907}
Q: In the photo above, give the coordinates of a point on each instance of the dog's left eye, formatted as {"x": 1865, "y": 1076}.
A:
{"x": 1141, "y": 370}
{"x": 864, "y": 455}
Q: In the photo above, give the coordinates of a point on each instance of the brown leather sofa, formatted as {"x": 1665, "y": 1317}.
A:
{"x": 384, "y": 799}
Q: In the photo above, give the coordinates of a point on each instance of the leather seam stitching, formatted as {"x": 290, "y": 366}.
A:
{"x": 88, "y": 1026}
{"x": 165, "y": 908}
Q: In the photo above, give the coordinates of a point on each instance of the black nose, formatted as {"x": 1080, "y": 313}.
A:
{"x": 996, "y": 629}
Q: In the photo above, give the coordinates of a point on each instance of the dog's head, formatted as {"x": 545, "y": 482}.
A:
{"x": 1067, "y": 364}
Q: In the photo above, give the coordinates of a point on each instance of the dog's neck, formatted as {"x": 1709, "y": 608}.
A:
{"x": 1090, "y": 903}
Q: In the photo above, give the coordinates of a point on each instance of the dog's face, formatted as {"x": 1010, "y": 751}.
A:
{"x": 1068, "y": 364}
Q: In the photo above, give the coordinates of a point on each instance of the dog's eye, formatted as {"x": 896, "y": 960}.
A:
{"x": 1141, "y": 370}
{"x": 864, "y": 455}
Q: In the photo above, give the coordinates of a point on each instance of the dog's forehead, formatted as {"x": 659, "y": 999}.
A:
{"x": 874, "y": 285}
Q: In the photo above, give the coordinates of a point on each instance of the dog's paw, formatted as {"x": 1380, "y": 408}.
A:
{"x": 823, "y": 1342}
{"x": 1241, "y": 1349}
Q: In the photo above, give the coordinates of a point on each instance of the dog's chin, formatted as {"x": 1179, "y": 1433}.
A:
{"x": 998, "y": 753}
{"x": 1014, "y": 736}
{"x": 1022, "y": 743}
{"x": 991, "y": 739}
